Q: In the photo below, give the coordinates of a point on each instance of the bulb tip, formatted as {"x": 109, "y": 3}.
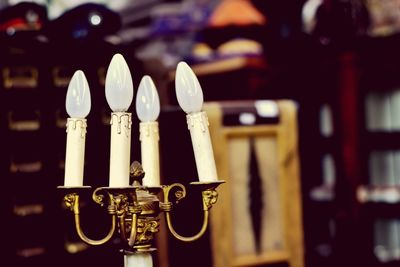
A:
{"x": 182, "y": 65}
{"x": 78, "y": 74}
{"x": 146, "y": 78}
{"x": 118, "y": 56}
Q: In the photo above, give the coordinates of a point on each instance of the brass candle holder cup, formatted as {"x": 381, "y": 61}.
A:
{"x": 135, "y": 210}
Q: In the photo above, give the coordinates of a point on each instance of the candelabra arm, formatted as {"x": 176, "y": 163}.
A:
{"x": 184, "y": 238}
{"x": 91, "y": 241}
{"x": 209, "y": 196}
{"x": 72, "y": 201}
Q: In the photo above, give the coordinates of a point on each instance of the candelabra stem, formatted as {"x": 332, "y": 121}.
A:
{"x": 183, "y": 238}
{"x": 132, "y": 237}
{"x": 122, "y": 226}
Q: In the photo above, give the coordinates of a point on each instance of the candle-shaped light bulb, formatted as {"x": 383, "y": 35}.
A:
{"x": 188, "y": 89}
{"x": 147, "y": 100}
{"x": 190, "y": 98}
{"x": 119, "y": 94}
{"x": 78, "y": 101}
{"x": 77, "y": 104}
{"x": 119, "y": 86}
{"x": 148, "y": 109}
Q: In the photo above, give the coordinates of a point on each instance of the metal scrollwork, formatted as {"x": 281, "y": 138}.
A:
{"x": 210, "y": 197}
{"x": 120, "y": 203}
{"x": 97, "y": 197}
{"x": 69, "y": 201}
{"x": 179, "y": 194}
{"x": 146, "y": 230}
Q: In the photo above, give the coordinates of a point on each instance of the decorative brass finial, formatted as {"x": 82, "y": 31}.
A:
{"x": 136, "y": 173}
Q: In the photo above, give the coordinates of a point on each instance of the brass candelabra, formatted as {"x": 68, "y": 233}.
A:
{"x": 135, "y": 210}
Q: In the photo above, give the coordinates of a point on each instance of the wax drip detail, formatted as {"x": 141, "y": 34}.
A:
{"x": 119, "y": 117}
{"x": 201, "y": 116}
{"x": 74, "y": 123}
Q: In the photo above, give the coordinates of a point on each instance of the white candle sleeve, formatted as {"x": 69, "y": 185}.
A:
{"x": 75, "y": 152}
{"x": 202, "y": 147}
{"x": 121, "y": 123}
{"x": 149, "y": 138}
{"x": 138, "y": 260}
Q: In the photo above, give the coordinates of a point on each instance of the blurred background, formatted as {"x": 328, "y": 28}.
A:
{"x": 337, "y": 60}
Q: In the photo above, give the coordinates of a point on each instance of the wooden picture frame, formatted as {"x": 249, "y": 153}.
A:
{"x": 273, "y": 141}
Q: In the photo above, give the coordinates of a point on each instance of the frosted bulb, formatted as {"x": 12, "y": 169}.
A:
{"x": 147, "y": 101}
{"x": 78, "y": 101}
{"x": 119, "y": 86}
{"x": 188, "y": 89}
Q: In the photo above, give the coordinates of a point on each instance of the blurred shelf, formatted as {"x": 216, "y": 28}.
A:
{"x": 26, "y": 167}
{"x": 229, "y": 64}
{"x": 20, "y": 77}
{"x": 75, "y": 247}
{"x": 31, "y": 252}
{"x": 379, "y": 194}
{"x": 226, "y": 64}
{"x": 323, "y": 193}
{"x": 25, "y": 210}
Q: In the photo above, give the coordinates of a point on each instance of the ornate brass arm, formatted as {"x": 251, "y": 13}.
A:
{"x": 72, "y": 202}
{"x": 134, "y": 210}
{"x": 209, "y": 195}
{"x": 183, "y": 238}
